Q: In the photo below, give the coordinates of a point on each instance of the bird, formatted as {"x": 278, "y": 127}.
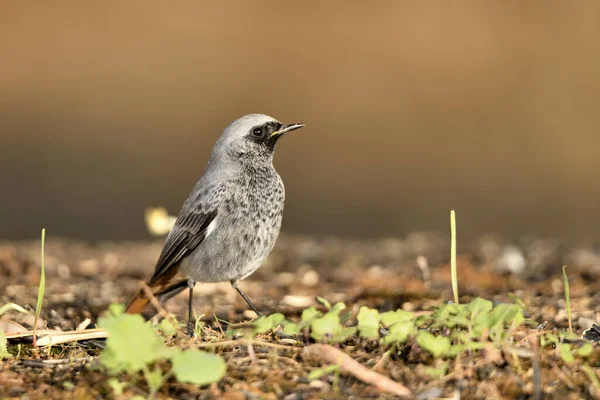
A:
{"x": 230, "y": 221}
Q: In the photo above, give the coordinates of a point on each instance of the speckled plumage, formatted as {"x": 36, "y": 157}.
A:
{"x": 229, "y": 223}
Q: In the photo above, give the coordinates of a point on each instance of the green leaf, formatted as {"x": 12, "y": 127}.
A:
{"x": 320, "y": 372}
{"x": 117, "y": 386}
{"x": 548, "y": 338}
{"x": 504, "y": 314}
{"x": 368, "y": 323}
{"x": 436, "y": 345}
{"x": 343, "y": 333}
{"x": 265, "y": 324}
{"x": 154, "y": 379}
{"x": 513, "y": 297}
{"x": 12, "y": 306}
{"x": 131, "y": 345}
{"x": 310, "y": 314}
{"x": 567, "y": 297}
{"x": 3, "y": 350}
{"x": 399, "y": 332}
{"x": 565, "y": 352}
{"x": 198, "y": 367}
{"x": 391, "y": 317}
{"x": 41, "y": 288}
{"x": 167, "y": 328}
{"x": 116, "y": 309}
{"x": 585, "y": 350}
{"x": 329, "y": 324}
{"x": 453, "y": 273}
{"x": 438, "y": 372}
{"x": 337, "y": 308}
{"x": 479, "y": 306}
{"x": 291, "y": 328}
{"x": 324, "y": 302}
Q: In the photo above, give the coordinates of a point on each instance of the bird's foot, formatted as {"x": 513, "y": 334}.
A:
{"x": 190, "y": 330}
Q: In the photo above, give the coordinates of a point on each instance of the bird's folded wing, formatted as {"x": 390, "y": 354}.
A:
{"x": 189, "y": 231}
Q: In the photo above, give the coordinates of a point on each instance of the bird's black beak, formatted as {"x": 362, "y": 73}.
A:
{"x": 284, "y": 129}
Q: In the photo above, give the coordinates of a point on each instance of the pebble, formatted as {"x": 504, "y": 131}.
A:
{"x": 297, "y": 301}
{"x": 319, "y": 385}
{"x": 310, "y": 278}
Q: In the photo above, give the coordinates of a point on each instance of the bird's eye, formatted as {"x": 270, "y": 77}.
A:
{"x": 257, "y": 131}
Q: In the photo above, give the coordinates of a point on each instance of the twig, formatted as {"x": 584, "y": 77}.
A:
{"x": 239, "y": 342}
{"x": 382, "y": 362}
{"x": 348, "y": 365}
{"x": 537, "y": 376}
{"x": 251, "y": 350}
{"x": 61, "y": 361}
{"x": 561, "y": 375}
{"x": 154, "y": 301}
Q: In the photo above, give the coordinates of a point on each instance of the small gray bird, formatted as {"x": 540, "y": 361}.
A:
{"x": 231, "y": 219}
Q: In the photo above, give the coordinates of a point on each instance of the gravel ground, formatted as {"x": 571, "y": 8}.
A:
{"x": 410, "y": 273}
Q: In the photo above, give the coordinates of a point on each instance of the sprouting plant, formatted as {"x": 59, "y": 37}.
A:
{"x": 133, "y": 346}
{"x": 41, "y": 290}
{"x": 453, "y": 255}
{"x": 567, "y": 297}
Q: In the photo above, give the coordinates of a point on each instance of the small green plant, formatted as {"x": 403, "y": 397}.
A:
{"x": 133, "y": 346}
{"x": 567, "y": 297}
{"x": 3, "y": 349}
{"x": 453, "y": 255}
{"x": 330, "y": 369}
{"x": 327, "y": 327}
{"x": 41, "y": 290}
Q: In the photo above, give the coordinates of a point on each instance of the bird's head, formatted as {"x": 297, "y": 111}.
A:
{"x": 252, "y": 138}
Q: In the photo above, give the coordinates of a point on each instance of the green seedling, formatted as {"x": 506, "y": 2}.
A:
{"x": 133, "y": 346}
{"x": 12, "y": 307}
{"x": 327, "y": 327}
{"x": 3, "y": 347}
{"x": 436, "y": 345}
{"x": 41, "y": 291}
{"x": 453, "y": 272}
{"x": 567, "y": 297}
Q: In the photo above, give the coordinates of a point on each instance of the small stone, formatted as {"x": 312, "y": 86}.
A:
{"x": 297, "y": 301}
{"x": 63, "y": 271}
{"x": 89, "y": 267}
{"x": 310, "y": 278}
{"x": 319, "y": 385}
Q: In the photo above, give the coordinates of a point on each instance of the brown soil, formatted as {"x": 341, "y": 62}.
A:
{"x": 83, "y": 279}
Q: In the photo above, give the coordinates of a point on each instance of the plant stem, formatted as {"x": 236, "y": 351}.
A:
{"x": 453, "y": 255}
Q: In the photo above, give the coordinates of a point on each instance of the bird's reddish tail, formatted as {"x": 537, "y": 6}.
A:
{"x": 163, "y": 288}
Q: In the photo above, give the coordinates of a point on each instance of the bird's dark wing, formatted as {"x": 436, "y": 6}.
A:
{"x": 189, "y": 231}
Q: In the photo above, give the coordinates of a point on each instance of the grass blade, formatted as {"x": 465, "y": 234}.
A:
{"x": 567, "y": 298}
{"x": 41, "y": 291}
{"x": 453, "y": 255}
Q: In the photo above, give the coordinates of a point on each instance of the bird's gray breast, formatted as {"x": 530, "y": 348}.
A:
{"x": 244, "y": 231}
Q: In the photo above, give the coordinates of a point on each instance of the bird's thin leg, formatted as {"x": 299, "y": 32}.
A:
{"x": 190, "y": 331}
{"x": 234, "y": 284}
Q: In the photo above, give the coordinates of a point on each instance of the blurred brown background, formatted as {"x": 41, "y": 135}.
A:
{"x": 412, "y": 108}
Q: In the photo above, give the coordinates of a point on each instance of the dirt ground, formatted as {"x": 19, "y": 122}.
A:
{"x": 411, "y": 273}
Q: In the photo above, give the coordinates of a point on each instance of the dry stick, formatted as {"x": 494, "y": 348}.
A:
{"x": 382, "y": 362}
{"x": 561, "y": 375}
{"x": 537, "y": 376}
{"x": 59, "y": 361}
{"x": 232, "y": 343}
{"x": 331, "y": 355}
{"x": 154, "y": 301}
